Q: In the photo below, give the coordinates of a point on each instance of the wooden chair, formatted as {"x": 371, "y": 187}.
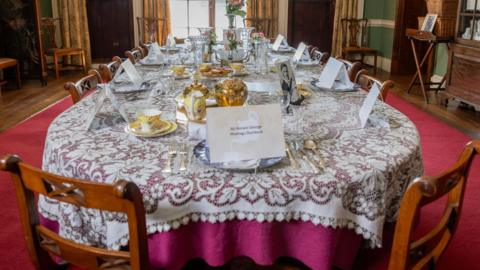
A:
{"x": 145, "y": 48}
{"x": 316, "y": 54}
{"x": 7, "y": 63}
{"x": 107, "y": 71}
{"x": 352, "y": 68}
{"x": 49, "y": 28}
{"x": 122, "y": 196}
{"x": 78, "y": 89}
{"x": 134, "y": 55}
{"x": 427, "y": 250}
{"x": 354, "y": 41}
{"x": 148, "y": 28}
{"x": 366, "y": 82}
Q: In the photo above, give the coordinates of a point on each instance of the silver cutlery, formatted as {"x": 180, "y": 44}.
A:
{"x": 183, "y": 157}
{"x": 292, "y": 158}
{"x": 305, "y": 157}
{"x": 312, "y": 146}
{"x": 171, "y": 153}
{"x": 309, "y": 161}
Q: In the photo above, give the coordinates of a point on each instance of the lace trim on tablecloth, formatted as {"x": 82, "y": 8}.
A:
{"x": 373, "y": 240}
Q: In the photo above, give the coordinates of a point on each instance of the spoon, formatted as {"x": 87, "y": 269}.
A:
{"x": 311, "y": 145}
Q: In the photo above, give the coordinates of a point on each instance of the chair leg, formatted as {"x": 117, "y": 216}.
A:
{"x": 375, "y": 64}
{"x": 19, "y": 78}
{"x": 57, "y": 67}
{"x": 84, "y": 64}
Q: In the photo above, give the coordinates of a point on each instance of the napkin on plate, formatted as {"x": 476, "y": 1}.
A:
{"x": 197, "y": 131}
{"x": 241, "y": 165}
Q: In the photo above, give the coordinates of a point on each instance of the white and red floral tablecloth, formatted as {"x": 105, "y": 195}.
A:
{"x": 367, "y": 172}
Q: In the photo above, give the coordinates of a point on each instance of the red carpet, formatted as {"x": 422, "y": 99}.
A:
{"x": 441, "y": 145}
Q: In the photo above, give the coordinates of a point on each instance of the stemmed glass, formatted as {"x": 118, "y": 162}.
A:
{"x": 245, "y": 34}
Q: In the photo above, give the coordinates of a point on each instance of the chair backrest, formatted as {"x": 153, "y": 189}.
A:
{"x": 145, "y": 47}
{"x": 353, "y": 69}
{"x": 426, "y": 251}
{"x": 107, "y": 71}
{"x": 354, "y": 32}
{"x": 49, "y": 28}
{"x": 148, "y": 28}
{"x": 78, "y": 89}
{"x": 366, "y": 82}
{"x": 316, "y": 54}
{"x": 134, "y": 55}
{"x": 122, "y": 197}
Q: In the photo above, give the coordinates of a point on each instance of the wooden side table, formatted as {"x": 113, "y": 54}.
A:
{"x": 7, "y": 63}
{"x": 416, "y": 36}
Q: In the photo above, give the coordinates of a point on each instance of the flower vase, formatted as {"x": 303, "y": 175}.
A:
{"x": 231, "y": 21}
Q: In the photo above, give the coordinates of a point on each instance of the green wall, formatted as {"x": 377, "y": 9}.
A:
{"x": 46, "y": 8}
{"x": 380, "y": 37}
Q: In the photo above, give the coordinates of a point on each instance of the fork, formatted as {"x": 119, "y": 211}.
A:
{"x": 183, "y": 154}
{"x": 171, "y": 153}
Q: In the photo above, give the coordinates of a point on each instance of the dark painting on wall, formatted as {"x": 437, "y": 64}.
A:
{"x": 18, "y": 37}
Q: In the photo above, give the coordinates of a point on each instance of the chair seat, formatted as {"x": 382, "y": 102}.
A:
{"x": 359, "y": 50}
{"x": 64, "y": 51}
{"x": 7, "y": 62}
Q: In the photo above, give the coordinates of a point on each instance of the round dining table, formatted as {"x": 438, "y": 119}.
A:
{"x": 321, "y": 218}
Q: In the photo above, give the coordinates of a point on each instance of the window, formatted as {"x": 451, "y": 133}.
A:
{"x": 187, "y": 15}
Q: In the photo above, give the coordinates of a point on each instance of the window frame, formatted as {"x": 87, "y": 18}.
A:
{"x": 211, "y": 14}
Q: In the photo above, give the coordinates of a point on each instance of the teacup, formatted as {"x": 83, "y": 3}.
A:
{"x": 147, "y": 117}
{"x": 237, "y": 67}
{"x": 179, "y": 70}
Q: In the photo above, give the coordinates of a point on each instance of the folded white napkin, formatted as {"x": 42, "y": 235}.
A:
{"x": 197, "y": 131}
{"x": 242, "y": 165}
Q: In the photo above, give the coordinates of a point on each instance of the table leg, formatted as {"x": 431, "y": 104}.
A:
{"x": 375, "y": 63}
{"x": 19, "y": 78}
{"x": 57, "y": 67}
{"x": 419, "y": 68}
{"x": 414, "y": 78}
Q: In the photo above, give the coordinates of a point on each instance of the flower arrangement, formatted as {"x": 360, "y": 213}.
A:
{"x": 234, "y": 7}
{"x": 232, "y": 40}
{"x": 258, "y": 36}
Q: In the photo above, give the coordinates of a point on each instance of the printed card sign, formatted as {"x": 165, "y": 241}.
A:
{"x": 171, "y": 41}
{"x": 367, "y": 106}
{"x": 278, "y": 42}
{"x": 330, "y": 73}
{"x": 301, "y": 53}
{"x": 132, "y": 73}
{"x": 245, "y": 133}
{"x": 104, "y": 93}
{"x": 154, "y": 49}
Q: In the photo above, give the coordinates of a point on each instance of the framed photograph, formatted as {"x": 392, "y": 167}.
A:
{"x": 289, "y": 85}
{"x": 429, "y": 22}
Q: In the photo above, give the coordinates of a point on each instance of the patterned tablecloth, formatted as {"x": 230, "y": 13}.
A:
{"x": 367, "y": 170}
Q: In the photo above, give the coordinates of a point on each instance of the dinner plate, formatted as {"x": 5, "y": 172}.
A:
{"x": 353, "y": 89}
{"x": 129, "y": 87}
{"x": 183, "y": 76}
{"x": 171, "y": 49}
{"x": 240, "y": 74}
{"x": 284, "y": 50}
{"x": 133, "y": 128}
{"x": 202, "y": 153}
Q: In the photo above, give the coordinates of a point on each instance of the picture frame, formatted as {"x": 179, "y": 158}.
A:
{"x": 429, "y": 22}
{"x": 288, "y": 84}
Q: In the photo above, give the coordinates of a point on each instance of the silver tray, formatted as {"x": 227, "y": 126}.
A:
{"x": 202, "y": 153}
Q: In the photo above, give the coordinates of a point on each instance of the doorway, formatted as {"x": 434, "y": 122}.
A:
{"x": 111, "y": 27}
{"x": 407, "y": 15}
{"x": 311, "y": 21}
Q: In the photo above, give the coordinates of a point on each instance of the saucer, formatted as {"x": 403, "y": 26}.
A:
{"x": 159, "y": 128}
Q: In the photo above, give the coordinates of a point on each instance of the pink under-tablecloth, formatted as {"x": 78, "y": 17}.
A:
{"x": 316, "y": 246}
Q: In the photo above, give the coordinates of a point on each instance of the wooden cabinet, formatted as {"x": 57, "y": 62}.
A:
{"x": 463, "y": 76}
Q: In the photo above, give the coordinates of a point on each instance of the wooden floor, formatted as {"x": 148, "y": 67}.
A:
{"x": 18, "y": 105}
